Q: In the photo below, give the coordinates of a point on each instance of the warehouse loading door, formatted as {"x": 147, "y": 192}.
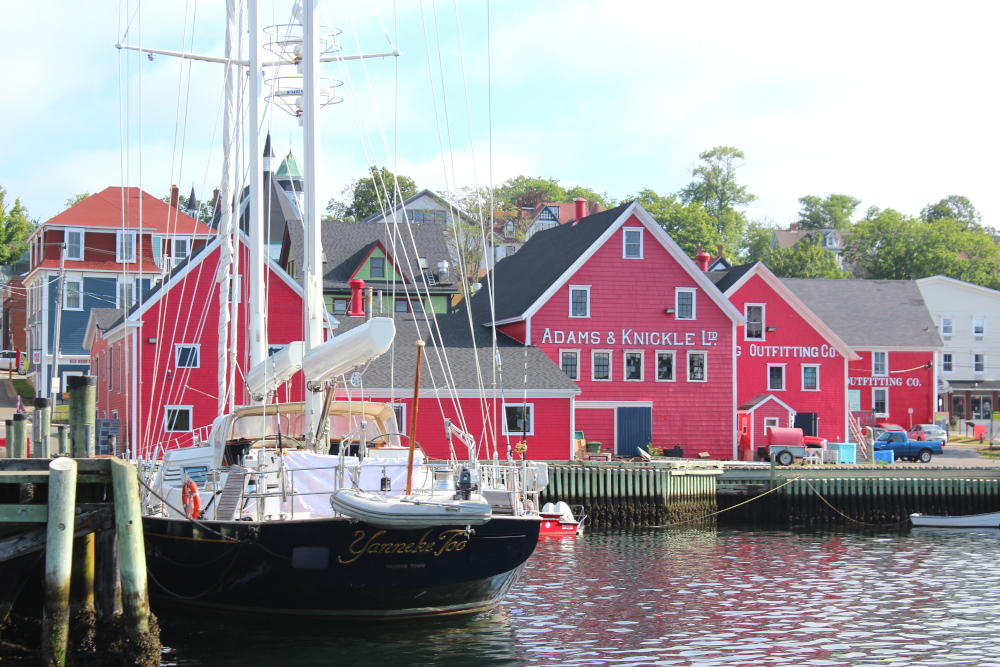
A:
{"x": 634, "y": 430}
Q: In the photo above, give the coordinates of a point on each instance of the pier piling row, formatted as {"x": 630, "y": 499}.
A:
{"x": 622, "y": 494}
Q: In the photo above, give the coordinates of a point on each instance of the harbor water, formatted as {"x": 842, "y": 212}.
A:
{"x": 699, "y": 597}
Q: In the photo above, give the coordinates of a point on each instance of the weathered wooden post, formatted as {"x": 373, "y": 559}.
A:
{"x": 131, "y": 554}
{"x": 43, "y": 424}
{"x": 63, "y": 438}
{"x": 58, "y": 560}
{"x": 107, "y": 588}
{"x": 17, "y": 437}
{"x": 82, "y": 413}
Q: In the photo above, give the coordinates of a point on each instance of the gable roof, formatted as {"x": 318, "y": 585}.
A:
{"x": 407, "y": 204}
{"x": 761, "y": 399}
{"x": 738, "y": 276}
{"x": 129, "y": 208}
{"x": 870, "y": 313}
{"x": 960, "y": 284}
{"x": 346, "y": 244}
{"x": 548, "y": 259}
{"x": 100, "y": 319}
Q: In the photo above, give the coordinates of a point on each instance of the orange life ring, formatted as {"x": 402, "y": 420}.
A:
{"x": 191, "y": 499}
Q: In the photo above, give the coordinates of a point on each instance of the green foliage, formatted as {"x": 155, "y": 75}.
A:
{"x": 954, "y": 207}
{"x": 468, "y": 234}
{"x": 601, "y": 198}
{"x": 76, "y": 199}
{"x": 715, "y": 187}
{"x": 529, "y": 191}
{"x": 834, "y": 212}
{"x": 806, "y": 259}
{"x": 377, "y": 192}
{"x": 205, "y": 211}
{"x": 756, "y": 243}
{"x": 689, "y": 225}
{"x": 15, "y": 228}
{"x": 23, "y": 388}
{"x": 882, "y": 244}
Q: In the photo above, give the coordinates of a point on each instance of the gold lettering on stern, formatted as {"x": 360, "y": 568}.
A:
{"x": 450, "y": 540}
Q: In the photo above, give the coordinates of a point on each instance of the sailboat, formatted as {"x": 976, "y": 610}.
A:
{"x": 322, "y": 507}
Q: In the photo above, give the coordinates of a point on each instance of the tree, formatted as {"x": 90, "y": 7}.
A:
{"x": 883, "y": 243}
{"x": 530, "y": 191}
{"x": 806, "y": 259}
{"x": 205, "y": 212}
{"x": 689, "y": 225}
{"x": 601, "y": 198}
{"x": 377, "y": 192}
{"x": 470, "y": 233}
{"x": 954, "y": 207}
{"x": 76, "y": 199}
{"x": 716, "y": 189}
{"x": 834, "y": 212}
{"x": 756, "y": 243}
{"x": 15, "y": 228}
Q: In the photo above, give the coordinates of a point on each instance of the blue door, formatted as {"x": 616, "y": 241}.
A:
{"x": 635, "y": 430}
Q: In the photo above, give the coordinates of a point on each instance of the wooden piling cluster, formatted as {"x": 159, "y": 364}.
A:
{"x": 620, "y": 494}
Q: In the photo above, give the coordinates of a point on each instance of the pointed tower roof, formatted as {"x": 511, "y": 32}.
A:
{"x": 289, "y": 169}
{"x": 267, "y": 146}
{"x": 192, "y": 201}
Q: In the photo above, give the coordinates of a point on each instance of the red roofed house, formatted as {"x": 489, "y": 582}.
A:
{"x": 119, "y": 242}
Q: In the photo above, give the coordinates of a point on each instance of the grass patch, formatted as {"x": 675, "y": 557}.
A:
{"x": 60, "y": 414}
{"x": 23, "y": 388}
{"x": 988, "y": 453}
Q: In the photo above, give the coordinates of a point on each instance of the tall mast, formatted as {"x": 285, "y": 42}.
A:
{"x": 315, "y": 308}
{"x": 255, "y": 229}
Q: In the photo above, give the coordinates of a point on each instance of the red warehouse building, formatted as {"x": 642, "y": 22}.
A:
{"x": 887, "y": 323}
{"x": 787, "y": 351}
{"x": 625, "y": 314}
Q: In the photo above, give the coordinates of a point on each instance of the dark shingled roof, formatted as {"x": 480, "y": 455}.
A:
{"x": 757, "y": 400}
{"x": 107, "y": 318}
{"x": 461, "y": 350}
{"x": 870, "y": 313}
{"x": 538, "y": 264}
{"x": 345, "y": 245}
{"x": 729, "y": 277}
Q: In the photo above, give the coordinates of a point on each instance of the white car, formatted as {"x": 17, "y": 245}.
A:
{"x": 928, "y": 432}
{"x": 9, "y": 361}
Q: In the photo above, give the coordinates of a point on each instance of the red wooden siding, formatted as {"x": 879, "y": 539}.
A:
{"x": 909, "y": 382}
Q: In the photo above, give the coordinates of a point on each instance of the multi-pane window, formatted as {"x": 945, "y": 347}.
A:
{"x": 947, "y": 326}
{"x": 571, "y": 364}
{"x": 187, "y": 355}
{"x": 880, "y": 401}
{"x": 633, "y": 244}
{"x": 978, "y": 325}
{"x": 518, "y": 419}
{"x": 377, "y": 267}
{"x": 978, "y": 363}
{"x": 125, "y": 246}
{"x": 601, "y": 365}
{"x": 74, "y": 244}
{"x": 697, "y": 370}
{"x": 947, "y": 362}
{"x": 426, "y": 216}
{"x": 73, "y": 294}
{"x": 776, "y": 377}
{"x": 880, "y": 363}
{"x": 177, "y": 418}
{"x": 126, "y": 293}
{"x": 579, "y": 301}
{"x": 339, "y": 306}
{"x": 810, "y": 377}
{"x": 402, "y": 306}
{"x": 665, "y": 366}
{"x": 181, "y": 249}
{"x": 633, "y": 366}
{"x": 755, "y": 322}
{"x": 684, "y": 305}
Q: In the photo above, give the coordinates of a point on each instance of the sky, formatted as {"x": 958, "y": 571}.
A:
{"x": 889, "y": 102}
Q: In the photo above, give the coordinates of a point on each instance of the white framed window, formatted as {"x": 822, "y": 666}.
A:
{"x": 776, "y": 377}
{"x": 810, "y": 377}
{"x": 126, "y": 293}
{"x": 600, "y": 365}
{"x": 187, "y": 355}
{"x": 632, "y": 243}
{"x": 74, "y": 244}
{"x": 519, "y": 419}
{"x": 684, "y": 303}
{"x": 157, "y": 245}
{"x": 754, "y": 329}
{"x": 771, "y": 422}
{"x": 73, "y": 292}
{"x": 125, "y": 247}
{"x": 177, "y": 418}
{"x": 947, "y": 325}
{"x": 947, "y": 362}
{"x": 633, "y": 366}
{"x": 400, "y": 410}
{"x": 880, "y": 402}
{"x": 978, "y": 325}
{"x": 180, "y": 249}
{"x": 340, "y": 306}
{"x": 665, "y": 366}
{"x": 579, "y": 300}
{"x": 978, "y": 362}
{"x": 880, "y": 363}
{"x": 697, "y": 366}
{"x": 569, "y": 361}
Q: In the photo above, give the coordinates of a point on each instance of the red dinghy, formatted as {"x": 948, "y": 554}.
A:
{"x": 558, "y": 519}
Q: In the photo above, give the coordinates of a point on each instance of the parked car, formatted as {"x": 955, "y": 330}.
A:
{"x": 889, "y": 427}
{"x": 905, "y": 449}
{"x": 10, "y": 360}
{"x": 928, "y": 432}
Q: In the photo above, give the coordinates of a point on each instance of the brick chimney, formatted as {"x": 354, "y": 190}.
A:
{"x": 794, "y": 227}
{"x": 719, "y": 248}
{"x": 174, "y": 196}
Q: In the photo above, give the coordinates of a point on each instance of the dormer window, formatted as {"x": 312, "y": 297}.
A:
{"x": 74, "y": 244}
{"x": 508, "y": 229}
{"x": 125, "y": 247}
{"x": 377, "y": 267}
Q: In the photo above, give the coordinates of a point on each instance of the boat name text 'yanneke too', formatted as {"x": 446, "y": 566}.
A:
{"x": 453, "y": 540}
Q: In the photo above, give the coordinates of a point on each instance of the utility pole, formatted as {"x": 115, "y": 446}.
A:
{"x": 50, "y": 392}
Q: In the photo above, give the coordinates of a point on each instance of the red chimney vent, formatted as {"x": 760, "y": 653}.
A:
{"x": 703, "y": 259}
{"x": 357, "y": 297}
{"x": 581, "y": 208}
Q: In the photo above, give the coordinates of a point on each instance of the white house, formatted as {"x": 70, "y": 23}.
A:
{"x": 968, "y": 319}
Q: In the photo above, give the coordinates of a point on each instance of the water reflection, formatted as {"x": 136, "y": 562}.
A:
{"x": 692, "y": 597}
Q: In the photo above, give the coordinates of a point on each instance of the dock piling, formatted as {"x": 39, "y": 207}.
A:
{"x": 58, "y": 560}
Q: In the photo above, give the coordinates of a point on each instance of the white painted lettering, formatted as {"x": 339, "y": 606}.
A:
{"x": 546, "y": 337}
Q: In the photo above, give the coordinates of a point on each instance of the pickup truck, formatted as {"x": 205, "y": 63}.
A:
{"x": 905, "y": 449}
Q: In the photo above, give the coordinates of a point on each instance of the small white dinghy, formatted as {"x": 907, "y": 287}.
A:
{"x": 412, "y": 512}
{"x": 988, "y": 520}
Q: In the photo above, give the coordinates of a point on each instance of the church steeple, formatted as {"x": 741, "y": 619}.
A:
{"x": 268, "y": 154}
{"x": 192, "y": 207}
{"x": 289, "y": 175}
